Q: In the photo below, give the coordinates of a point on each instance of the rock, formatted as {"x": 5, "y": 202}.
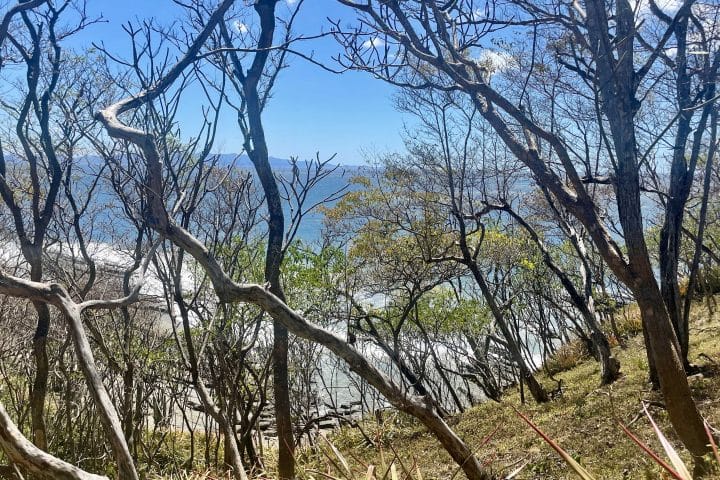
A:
{"x": 327, "y": 424}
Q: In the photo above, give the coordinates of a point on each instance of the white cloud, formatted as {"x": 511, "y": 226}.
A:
{"x": 477, "y": 15}
{"x": 240, "y": 27}
{"x": 495, "y": 61}
{"x": 374, "y": 42}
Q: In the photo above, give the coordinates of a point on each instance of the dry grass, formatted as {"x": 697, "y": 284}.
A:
{"x": 567, "y": 357}
{"x": 584, "y": 420}
{"x": 209, "y": 475}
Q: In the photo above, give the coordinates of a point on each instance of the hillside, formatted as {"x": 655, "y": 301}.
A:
{"x": 583, "y": 420}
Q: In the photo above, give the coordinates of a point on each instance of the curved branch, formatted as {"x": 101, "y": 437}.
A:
{"x": 229, "y": 291}
{"x": 23, "y": 453}
{"x": 21, "y": 6}
{"x": 55, "y": 294}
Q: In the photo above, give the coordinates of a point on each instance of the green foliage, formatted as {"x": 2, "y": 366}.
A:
{"x": 445, "y": 312}
{"x": 604, "y": 303}
{"x": 310, "y": 278}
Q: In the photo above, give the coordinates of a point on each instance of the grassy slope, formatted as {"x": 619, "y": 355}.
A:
{"x": 584, "y": 421}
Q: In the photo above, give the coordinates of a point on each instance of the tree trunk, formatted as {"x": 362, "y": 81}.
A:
{"x": 681, "y": 408}
{"x": 616, "y": 83}
{"x": 128, "y": 414}
{"x": 526, "y": 375}
{"x": 490, "y": 386}
{"x": 609, "y": 365}
{"x": 40, "y": 382}
{"x": 702, "y": 217}
{"x": 652, "y": 371}
{"x": 273, "y": 262}
{"x": 281, "y": 396}
{"x": 682, "y": 175}
{"x": 256, "y": 147}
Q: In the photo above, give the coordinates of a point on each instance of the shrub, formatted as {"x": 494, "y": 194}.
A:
{"x": 629, "y": 322}
{"x": 567, "y": 357}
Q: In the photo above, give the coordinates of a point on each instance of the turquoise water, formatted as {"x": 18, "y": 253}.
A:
{"x": 311, "y": 225}
{"x": 109, "y": 224}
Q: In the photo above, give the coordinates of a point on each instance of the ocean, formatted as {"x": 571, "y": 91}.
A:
{"x": 331, "y": 187}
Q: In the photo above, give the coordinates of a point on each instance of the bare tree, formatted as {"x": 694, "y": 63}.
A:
{"x": 229, "y": 291}
{"x": 253, "y": 86}
{"x": 430, "y": 44}
{"x": 581, "y": 297}
{"x": 56, "y": 295}
{"x": 25, "y": 454}
{"x": 37, "y": 147}
{"x": 702, "y": 215}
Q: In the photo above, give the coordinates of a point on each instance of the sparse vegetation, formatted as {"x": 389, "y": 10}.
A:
{"x": 585, "y": 421}
{"x": 519, "y": 285}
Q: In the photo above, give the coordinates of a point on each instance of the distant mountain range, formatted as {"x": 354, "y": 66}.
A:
{"x": 225, "y": 159}
{"x": 243, "y": 161}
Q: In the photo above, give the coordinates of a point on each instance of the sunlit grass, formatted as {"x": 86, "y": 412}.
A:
{"x": 585, "y": 420}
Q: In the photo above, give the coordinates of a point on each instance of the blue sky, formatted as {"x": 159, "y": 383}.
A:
{"x": 311, "y": 110}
